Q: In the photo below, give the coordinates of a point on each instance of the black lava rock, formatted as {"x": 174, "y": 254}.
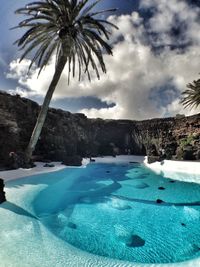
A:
{"x": 161, "y": 188}
{"x": 2, "y": 193}
{"x": 72, "y": 225}
{"x": 72, "y": 161}
{"x": 159, "y": 201}
{"x": 136, "y": 241}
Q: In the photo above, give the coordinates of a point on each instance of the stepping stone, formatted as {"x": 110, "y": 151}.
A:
{"x": 161, "y": 188}
{"x": 72, "y": 225}
{"x": 141, "y": 186}
{"x": 136, "y": 241}
{"x": 159, "y": 201}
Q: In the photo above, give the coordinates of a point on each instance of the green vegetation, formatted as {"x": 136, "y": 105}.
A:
{"x": 186, "y": 149}
{"x": 187, "y": 141}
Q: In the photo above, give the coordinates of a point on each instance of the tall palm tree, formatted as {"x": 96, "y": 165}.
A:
{"x": 72, "y": 30}
{"x": 191, "y": 96}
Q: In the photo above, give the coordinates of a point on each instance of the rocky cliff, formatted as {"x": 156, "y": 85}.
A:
{"x": 2, "y": 193}
{"x": 65, "y": 134}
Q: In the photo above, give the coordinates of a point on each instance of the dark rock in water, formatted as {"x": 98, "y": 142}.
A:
{"x": 72, "y": 225}
{"x": 141, "y": 185}
{"x": 172, "y": 181}
{"x": 2, "y": 193}
{"x": 159, "y": 201}
{"x": 196, "y": 248}
{"x": 161, "y": 188}
{"x": 107, "y": 171}
{"x": 49, "y": 165}
{"x": 72, "y": 161}
{"x": 92, "y": 160}
{"x": 183, "y": 224}
{"x": 136, "y": 241}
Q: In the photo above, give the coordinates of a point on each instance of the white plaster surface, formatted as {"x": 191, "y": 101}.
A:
{"x": 188, "y": 171}
{"x": 19, "y": 173}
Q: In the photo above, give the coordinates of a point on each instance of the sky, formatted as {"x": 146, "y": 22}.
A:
{"x": 156, "y": 53}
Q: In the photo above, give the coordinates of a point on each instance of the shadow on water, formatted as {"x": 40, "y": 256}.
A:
{"x": 95, "y": 172}
{"x": 42, "y": 178}
{"x": 72, "y": 198}
{"x": 89, "y": 185}
{"x": 90, "y": 188}
{"x": 16, "y": 209}
{"x": 154, "y": 202}
{"x": 93, "y": 186}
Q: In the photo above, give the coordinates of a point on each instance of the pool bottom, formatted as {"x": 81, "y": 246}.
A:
{"x": 117, "y": 237}
{"x": 93, "y": 215}
{"x": 25, "y": 241}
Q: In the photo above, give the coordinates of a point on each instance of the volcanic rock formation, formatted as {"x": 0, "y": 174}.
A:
{"x": 67, "y": 135}
{"x": 2, "y": 193}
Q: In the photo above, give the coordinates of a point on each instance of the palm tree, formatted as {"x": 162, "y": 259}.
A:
{"x": 191, "y": 96}
{"x": 72, "y": 30}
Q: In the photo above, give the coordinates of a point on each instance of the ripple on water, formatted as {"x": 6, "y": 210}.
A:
{"x": 121, "y": 219}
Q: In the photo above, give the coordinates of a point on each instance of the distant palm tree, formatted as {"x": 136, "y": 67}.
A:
{"x": 191, "y": 96}
{"x": 73, "y": 31}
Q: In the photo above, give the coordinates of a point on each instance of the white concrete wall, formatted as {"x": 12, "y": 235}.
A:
{"x": 188, "y": 171}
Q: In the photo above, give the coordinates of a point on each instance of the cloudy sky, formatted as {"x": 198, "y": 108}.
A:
{"x": 156, "y": 53}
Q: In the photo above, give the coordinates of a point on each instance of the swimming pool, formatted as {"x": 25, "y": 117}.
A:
{"x": 118, "y": 211}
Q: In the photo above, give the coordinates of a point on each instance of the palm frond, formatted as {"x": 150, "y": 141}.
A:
{"x": 191, "y": 96}
{"x": 67, "y": 28}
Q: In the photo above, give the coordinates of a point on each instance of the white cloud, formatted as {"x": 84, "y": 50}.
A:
{"x": 169, "y": 13}
{"x": 19, "y": 91}
{"x": 134, "y": 70}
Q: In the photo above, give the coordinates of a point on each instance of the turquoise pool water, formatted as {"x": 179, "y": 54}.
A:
{"x": 124, "y": 212}
{"x": 120, "y": 211}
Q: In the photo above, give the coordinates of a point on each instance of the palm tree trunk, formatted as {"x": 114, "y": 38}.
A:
{"x": 44, "y": 109}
